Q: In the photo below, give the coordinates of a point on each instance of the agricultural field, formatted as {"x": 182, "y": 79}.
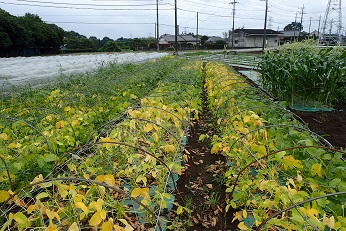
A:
{"x": 42, "y": 69}
{"x": 169, "y": 144}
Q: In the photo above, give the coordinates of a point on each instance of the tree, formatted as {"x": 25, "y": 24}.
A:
{"x": 111, "y": 46}
{"x": 104, "y": 41}
{"x": 204, "y": 39}
{"x": 297, "y": 26}
{"x": 19, "y": 34}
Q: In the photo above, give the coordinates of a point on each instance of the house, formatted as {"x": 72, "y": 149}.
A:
{"x": 214, "y": 39}
{"x": 289, "y": 35}
{"x": 247, "y": 38}
{"x": 185, "y": 42}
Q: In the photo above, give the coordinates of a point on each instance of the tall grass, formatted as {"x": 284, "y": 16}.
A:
{"x": 303, "y": 73}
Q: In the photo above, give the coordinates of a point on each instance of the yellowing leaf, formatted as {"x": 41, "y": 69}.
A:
{"x": 290, "y": 163}
{"x": 67, "y": 109}
{"x": 4, "y": 136}
{"x": 246, "y": 119}
{"x": 50, "y": 214}
{"x": 316, "y": 169}
{"x": 136, "y": 192}
{"x": 60, "y": 124}
{"x": 133, "y": 96}
{"x": 108, "y": 179}
{"x": 219, "y": 121}
{"x": 97, "y": 218}
{"x": 118, "y": 228}
{"x": 4, "y": 195}
{"x": 244, "y": 213}
{"x": 82, "y": 206}
{"x": 127, "y": 226}
{"x": 38, "y": 178}
{"x": 156, "y": 137}
{"x": 107, "y": 139}
{"x": 78, "y": 198}
{"x": 30, "y": 209}
{"x": 312, "y": 212}
{"x": 108, "y": 142}
{"x": 23, "y": 221}
{"x": 14, "y": 145}
{"x": 180, "y": 210}
{"x": 202, "y": 137}
{"x": 169, "y": 148}
{"x": 242, "y": 226}
{"x": 107, "y": 225}
{"x": 216, "y": 148}
{"x": 96, "y": 204}
{"x": 52, "y": 227}
{"x": 148, "y": 127}
{"x": 143, "y": 179}
{"x": 73, "y": 227}
{"x": 329, "y": 221}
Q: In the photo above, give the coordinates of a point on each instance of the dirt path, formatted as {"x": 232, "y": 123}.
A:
{"x": 202, "y": 185}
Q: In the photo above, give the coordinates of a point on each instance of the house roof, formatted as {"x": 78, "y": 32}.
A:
{"x": 214, "y": 39}
{"x": 180, "y": 38}
{"x": 257, "y": 31}
{"x": 289, "y": 33}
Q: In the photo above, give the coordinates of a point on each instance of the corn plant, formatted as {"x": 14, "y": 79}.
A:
{"x": 303, "y": 74}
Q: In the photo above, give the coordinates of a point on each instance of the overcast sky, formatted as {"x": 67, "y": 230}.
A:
{"x": 137, "y": 18}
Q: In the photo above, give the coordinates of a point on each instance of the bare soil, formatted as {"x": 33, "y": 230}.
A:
{"x": 330, "y": 125}
{"x": 202, "y": 184}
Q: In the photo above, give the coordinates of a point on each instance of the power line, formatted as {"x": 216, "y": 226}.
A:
{"x": 106, "y": 23}
{"x": 79, "y": 8}
{"x": 85, "y": 4}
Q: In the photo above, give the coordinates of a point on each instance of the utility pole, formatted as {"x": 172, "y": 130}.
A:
{"x": 197, "y": 43}
{"x": 295, "y": 24}
{"x": 318, "y": 31}
{"x": 234, "y": 2}
{"x": 176, "y": 26}
{"x": 301, "y": 21}
{"x": 265, "y": 27}
{"x": 310, "y": 26}
{"x": 157, "y": 26}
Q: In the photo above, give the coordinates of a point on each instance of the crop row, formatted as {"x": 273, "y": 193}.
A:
{"x": 121, "y": 175}
{"x": 302, "y": 74}
{"x": 281, "y": 176}
{"x": 39, "y": 126}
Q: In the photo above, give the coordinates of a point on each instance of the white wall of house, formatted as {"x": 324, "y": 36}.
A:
{"x": 254, "y": 41}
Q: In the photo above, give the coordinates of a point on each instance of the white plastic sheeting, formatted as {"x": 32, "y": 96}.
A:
{"x": 40, "y": 69}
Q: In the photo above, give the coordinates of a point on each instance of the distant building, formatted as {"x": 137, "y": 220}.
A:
{"x": 214, "y": 39}
{"x": 289, "y": 35}
{"x": 249, "y": 38}
{"x": 185, "y": 42}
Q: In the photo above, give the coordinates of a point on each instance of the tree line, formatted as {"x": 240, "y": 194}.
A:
{"x": 28, "y": 35}
{"x": 75, "y": 42}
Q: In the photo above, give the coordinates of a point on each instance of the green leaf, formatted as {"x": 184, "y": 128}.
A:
{"x": 180, "y": 210}
{"x": 50, "y": 158}
{"x": 280, "y": 155}
{"x": 309, "y": 142}
{"x": 42, "y": 195}
{"x": 335, "y": 182}
{"x": 23, "y": 221}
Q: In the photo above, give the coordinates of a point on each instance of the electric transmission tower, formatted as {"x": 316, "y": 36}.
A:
{"x": 332, "y": 23}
